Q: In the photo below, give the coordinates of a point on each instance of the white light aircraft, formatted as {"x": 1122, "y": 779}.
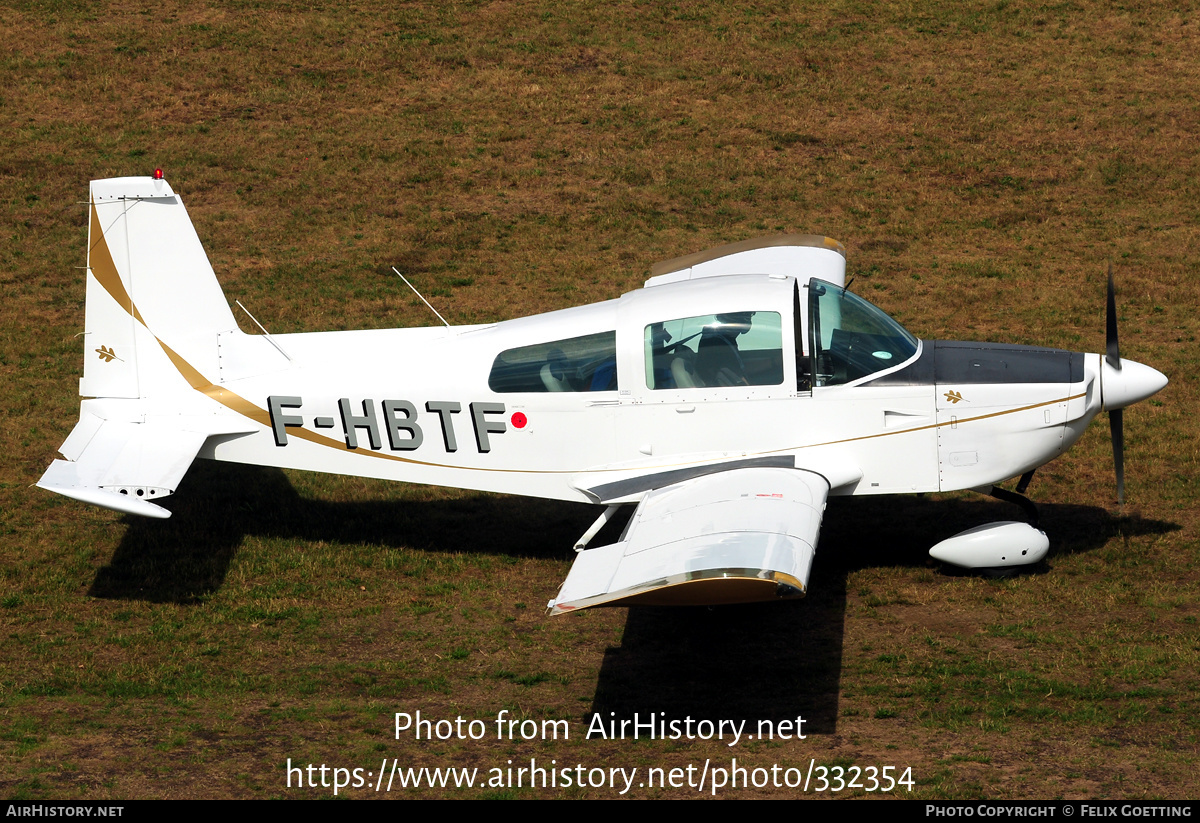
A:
{"x": 726, "y": 400}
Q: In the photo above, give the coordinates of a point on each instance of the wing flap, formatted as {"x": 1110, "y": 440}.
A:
{"x": 740, "y": 536}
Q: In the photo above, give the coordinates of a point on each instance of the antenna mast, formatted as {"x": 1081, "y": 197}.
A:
{"x": 418, "y": 294}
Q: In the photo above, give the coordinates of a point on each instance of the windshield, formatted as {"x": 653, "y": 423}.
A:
{"x": 851, "y": 338}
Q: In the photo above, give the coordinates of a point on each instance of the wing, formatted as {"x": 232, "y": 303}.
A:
{"x": 740, "y": 536}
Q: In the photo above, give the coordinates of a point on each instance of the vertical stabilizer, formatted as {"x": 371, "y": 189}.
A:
{"x": 151, "y": 292}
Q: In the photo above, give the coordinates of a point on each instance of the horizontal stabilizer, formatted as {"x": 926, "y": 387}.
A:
{"x": 123, "y": 466}
{"x": 741, "y": 536}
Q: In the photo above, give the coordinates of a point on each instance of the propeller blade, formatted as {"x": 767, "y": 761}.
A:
{"x": 1112, "y": 347}
{"x": 1116, "y": 423}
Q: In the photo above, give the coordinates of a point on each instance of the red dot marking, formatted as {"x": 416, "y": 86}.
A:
{"x": 519, "y": 420}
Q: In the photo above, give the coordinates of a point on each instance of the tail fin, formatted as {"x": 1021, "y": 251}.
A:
{"x": 149, "y": 287}
{"x": 155, "y": 317}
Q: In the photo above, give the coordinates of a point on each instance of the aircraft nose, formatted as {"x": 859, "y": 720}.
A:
{"x": 1129, "y": 384}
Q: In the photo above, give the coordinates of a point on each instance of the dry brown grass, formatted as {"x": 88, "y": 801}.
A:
{"x": 982, "y": 162}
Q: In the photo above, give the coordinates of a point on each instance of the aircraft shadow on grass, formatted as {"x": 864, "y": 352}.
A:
{"x": 759, "y": 661}
{"x": 778, "y": 661}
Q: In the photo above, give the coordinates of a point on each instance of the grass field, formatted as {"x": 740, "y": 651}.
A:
{"x": 983, "y": 163}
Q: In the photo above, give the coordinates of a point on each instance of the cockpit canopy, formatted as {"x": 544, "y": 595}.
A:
{"x": 754, "y": 331}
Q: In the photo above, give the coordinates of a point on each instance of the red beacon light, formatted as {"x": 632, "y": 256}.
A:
{"x": 158, "y": 174}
